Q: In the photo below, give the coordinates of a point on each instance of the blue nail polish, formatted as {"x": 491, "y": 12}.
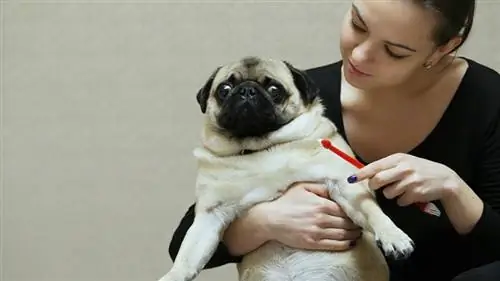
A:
{"x": 352, "y": 179}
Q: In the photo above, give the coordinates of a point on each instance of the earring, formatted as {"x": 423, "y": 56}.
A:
{"x": 428, "y": 65}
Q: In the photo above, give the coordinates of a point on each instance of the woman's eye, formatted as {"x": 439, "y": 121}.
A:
{"x": 357, "y": 27}
{"x": 393, "y": 55}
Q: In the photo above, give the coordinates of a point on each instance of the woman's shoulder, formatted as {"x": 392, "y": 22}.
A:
{"x": 482, "y": 77}
{"x": 480, "y": 86}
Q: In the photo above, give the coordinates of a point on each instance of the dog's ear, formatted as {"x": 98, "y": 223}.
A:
{"x": 204, "y": 92}
{"x": 306, "y": 86}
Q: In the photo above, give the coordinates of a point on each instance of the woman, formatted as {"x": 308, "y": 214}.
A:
{"x": 426, "y": 123}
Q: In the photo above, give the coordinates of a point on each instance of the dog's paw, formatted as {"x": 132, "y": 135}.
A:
{"x": 168, "y": 277}
{"x": 334, "y": 188}
{"x": 395, "y": 243}
{"x": 171, "y": 276}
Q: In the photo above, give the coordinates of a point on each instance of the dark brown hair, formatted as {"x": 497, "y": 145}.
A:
{"x": 455, "y": 18}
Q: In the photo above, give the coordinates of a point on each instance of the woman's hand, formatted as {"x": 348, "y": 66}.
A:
{"x": 305, "y": 217}
{"x": 409, "y": 178}
{"x": 414, "y": 179}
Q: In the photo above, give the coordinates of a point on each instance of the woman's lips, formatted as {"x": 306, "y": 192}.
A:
{"x": 352, "y": 69}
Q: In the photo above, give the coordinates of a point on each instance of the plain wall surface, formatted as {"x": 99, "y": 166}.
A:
{"x": 99, "y": 119}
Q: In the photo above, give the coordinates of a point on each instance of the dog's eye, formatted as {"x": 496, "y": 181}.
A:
{"x": 273, "y": 89}
{"x": 224, "y": 90}
{"x": 276, "y": 93}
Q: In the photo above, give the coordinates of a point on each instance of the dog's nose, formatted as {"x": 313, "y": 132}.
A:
{"x": 247, "y": 92}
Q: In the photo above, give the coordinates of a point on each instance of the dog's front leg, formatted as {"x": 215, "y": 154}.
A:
{"x": 198, "y": 246}
{"x": 360, "y": 205}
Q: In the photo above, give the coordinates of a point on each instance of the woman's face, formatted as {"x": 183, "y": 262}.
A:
{"x": 383, "y": 43}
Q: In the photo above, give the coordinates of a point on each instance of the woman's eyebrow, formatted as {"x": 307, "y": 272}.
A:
{"x": 358, "y": 14}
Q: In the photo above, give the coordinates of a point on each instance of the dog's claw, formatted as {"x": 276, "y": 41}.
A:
{"x": 396, "y": 244}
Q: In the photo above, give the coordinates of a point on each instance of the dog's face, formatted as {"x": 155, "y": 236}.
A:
{"x": 254, "y": 96}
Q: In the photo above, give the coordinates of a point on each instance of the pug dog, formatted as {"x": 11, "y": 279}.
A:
{"x": 263, "y": 122}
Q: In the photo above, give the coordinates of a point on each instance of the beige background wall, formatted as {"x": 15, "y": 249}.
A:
{"x": 99, "y": 119}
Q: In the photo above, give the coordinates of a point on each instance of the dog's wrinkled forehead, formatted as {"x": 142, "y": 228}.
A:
{"x": 256, "y": 69}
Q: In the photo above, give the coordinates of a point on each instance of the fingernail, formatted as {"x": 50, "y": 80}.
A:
{"x": 352, "y": 179}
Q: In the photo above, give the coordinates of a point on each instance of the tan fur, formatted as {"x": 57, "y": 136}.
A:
{"x": 229, "y": 183}
{"x": 266, "y": 67}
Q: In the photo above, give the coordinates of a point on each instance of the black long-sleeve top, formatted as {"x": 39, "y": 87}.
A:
{"x": 467, "y": 139}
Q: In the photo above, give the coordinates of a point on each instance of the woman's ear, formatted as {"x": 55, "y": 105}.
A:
{"x": 450, "y": 46}
{"x": 442, "y": 51}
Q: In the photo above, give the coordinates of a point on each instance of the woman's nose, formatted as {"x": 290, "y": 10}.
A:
{"x": 362, "y": 52}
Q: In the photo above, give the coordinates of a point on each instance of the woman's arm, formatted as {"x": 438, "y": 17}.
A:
{"x": 248, "y": 232}
{"x": 472, "y": 207}
{"x": 463, "y": 207}
{"x": 476, "y": 214}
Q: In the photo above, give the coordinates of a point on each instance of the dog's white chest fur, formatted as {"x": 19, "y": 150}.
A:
{"x": 243, "y": 179}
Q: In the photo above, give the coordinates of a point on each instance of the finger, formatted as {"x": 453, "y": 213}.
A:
{"x": 327, "y": 221}
{"x": 330, "y": 207}
{"x": 393, "y": 190}
{"x": 339, "y": 234}
{"x": 332, "y": 245}
{"x": 318, "y": 189}
{"x": 406, "y": 199}
{"x": 374, "y": 168}
{"x": 387, "y": 177}
{"x": 406, "y": 185}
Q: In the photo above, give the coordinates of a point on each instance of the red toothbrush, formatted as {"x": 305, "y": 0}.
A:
{"x": 428, "y": 208}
